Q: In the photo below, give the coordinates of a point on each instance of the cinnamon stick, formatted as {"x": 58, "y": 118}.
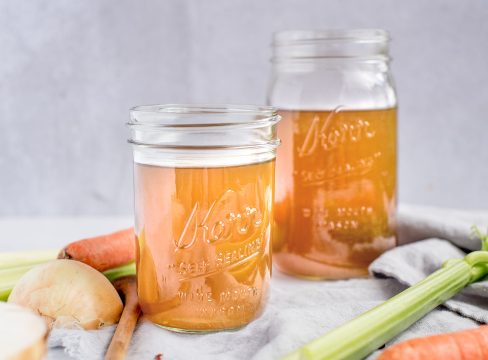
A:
{"x": 119, "y": 345}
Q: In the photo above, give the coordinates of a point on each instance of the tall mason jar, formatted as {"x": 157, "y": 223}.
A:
{"x": 204, "y": 188}
{"x": 336, "y": 169}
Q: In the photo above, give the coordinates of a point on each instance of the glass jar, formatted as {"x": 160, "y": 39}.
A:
{"x": 204, "y": 188}
{"x": 336, "y": 168}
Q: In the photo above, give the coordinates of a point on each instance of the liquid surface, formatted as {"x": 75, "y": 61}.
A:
{"x": 335, "y": 191}
{"x": 204, "y": 257}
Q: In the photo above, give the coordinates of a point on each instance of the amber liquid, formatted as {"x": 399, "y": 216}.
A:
{"x": 204, "y": 256}
{"x": 335, "y": 191}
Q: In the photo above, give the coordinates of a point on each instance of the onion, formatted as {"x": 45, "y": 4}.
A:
{"x": 23, "y": 334}
{"x": 68, "y": 294}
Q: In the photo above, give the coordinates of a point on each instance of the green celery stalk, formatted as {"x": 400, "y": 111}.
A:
{"x": 121, "y": 271}
{"x": 9, "y": 260}
{"x": 15, "y": 264}
{"x": 369, "y": 331}
{"x": 8, "y": 278}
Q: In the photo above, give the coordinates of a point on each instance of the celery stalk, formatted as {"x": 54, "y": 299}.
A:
{"x": 366, "y": 333}
{"x": 121, "y": 271}
{"x": 8, "y": 278}
{"x": 22, "y": 258}
{"x": 15, "y": 264}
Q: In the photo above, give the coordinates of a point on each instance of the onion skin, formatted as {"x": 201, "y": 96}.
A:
{"x": 68, "y": 294}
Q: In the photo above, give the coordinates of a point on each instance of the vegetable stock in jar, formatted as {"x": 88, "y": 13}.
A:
{"x": 204, "y": 193}
{"x": 336, "y": 168}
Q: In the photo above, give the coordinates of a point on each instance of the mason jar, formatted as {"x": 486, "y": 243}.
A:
{"x": 204, "y": 188}
{"x": 337, "y": 166}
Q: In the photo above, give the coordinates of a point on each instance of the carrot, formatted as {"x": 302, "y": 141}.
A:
{"x": 469, "y": 344}
{"x": 103, "y": 252}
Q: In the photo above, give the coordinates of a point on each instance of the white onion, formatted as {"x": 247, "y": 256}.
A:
{"x": 23, "y": 334}
{"x": 68, "y": 294}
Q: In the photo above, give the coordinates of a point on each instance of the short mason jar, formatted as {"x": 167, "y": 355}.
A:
{"x": 204, "y": 188}
{"x": 337, "y": 165}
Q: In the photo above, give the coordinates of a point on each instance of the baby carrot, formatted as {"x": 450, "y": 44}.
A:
{"x": 103, "y": 252}
{"x": 469, "y": 344}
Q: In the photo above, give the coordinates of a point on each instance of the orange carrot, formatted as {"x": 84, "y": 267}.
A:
{"x": 469, "y": 344}
{"x": 103, "y": 252}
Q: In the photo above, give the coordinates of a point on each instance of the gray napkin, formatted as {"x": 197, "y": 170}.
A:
{"x": 423, "y": 222}
{"x": 411, "y": 263}
{"x": 415, "y": 259}
{"x": 299, "y": 311}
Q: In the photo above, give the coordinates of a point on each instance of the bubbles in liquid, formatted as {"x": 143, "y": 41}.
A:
{"x": 204, "y": 244}
{"x": 335, "y": 191}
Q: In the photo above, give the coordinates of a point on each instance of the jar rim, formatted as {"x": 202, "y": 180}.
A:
{"x": 343, "y": 45}
{"x": 200, "y": 115}
{"x": 288, "y": 37}
{"x": 196, "y": 135}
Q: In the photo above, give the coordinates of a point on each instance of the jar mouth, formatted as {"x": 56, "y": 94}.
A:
{"x": 195, "y": 135}
{"x": 356, "y": 44}
{"x": 201, "y": 115}
{"x": 359, "y": 35}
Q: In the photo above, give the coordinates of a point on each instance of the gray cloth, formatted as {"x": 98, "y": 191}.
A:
{"x": 299, "y": 311}
{"x": 411, "y": 263}
{"x": 422, "y": 222}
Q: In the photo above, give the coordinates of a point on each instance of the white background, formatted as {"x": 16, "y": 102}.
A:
{"x": 69, "y": 71}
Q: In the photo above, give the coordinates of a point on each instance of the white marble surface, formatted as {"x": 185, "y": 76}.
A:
{"x": 70, "y": 70}
{"x": 24, "y": 233}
